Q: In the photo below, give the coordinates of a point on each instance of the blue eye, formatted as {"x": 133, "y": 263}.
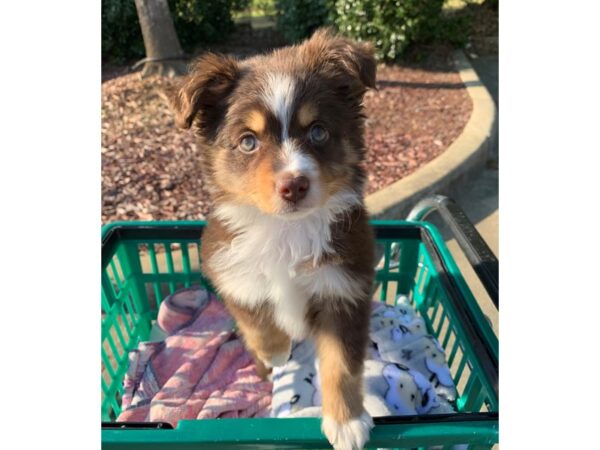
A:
{"x": 318, "y": 134}
{"x": 248, "y": 144}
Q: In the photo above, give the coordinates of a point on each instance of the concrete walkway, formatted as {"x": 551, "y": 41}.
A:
{"x": 487, "y": 70}
{"x": 478, "y": 197}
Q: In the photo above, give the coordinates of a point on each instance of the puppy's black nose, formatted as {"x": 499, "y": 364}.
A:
{"x": 293, "y": 189}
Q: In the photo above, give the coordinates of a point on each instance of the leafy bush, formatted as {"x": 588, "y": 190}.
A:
{"x": 195, "y": 21}
{"x": 390, "y": 24}
{"x": 263, "y": 7}
{"x": 201, "y": 20}
{"x": 453, "y": 29}
{"x": 121, "y": 33}
{"x": 240, "y": 5}
{"x": 297, "y": 19}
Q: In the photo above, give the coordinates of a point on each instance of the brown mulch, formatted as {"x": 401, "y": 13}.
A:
{"x": 150, "y": 170}
{"x": 413, "y": 117}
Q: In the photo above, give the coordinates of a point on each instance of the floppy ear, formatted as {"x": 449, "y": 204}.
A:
{"x": 201, "y": 93}
{"x": 350, "y": 63}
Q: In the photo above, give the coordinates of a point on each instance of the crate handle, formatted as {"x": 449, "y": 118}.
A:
{"x": 478, "y": 253}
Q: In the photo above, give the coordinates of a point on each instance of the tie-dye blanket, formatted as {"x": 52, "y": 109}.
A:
{"x": 200, "y": 370}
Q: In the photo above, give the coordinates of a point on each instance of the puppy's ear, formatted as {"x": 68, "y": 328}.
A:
{"x": 201, "y": 94}
{"x": 352, "y": 64}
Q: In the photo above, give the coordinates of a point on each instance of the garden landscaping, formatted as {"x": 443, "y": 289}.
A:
{"x": 150, "y": 168}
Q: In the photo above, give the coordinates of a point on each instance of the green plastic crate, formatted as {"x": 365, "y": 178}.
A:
{"x": 142, "y": 262}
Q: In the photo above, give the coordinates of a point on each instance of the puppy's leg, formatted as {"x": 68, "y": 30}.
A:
{"x": 341, "y": 338}
{"x": 264, "y": 339}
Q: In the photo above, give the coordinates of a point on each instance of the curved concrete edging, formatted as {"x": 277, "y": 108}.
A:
{"x": 465, "y": 156}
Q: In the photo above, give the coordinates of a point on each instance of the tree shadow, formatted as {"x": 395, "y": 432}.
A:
{"x": 416, "y": 85}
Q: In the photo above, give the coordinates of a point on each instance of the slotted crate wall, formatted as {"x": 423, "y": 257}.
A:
{"x": 141, "y": 269}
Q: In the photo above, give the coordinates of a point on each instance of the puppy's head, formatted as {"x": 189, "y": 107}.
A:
{"x": 284, "y": 131}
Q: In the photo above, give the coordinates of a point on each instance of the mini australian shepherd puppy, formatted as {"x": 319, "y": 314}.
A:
{"x": 288, "y": 245}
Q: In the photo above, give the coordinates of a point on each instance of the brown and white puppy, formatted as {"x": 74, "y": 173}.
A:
{"x": 288, "y": 245}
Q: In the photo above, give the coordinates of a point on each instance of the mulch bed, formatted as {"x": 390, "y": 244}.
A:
{"x": 150, "y": 170}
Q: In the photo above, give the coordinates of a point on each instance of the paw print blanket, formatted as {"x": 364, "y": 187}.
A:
{"x": 405, "y": 373}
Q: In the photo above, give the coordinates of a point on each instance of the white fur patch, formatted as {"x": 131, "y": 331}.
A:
{"x": 330, "y": 281}
{"x": 260, "y": 264}
{"x": 278, "y": 93}
{"x": 297, "y": 162}
{"x": 351, "y": 435}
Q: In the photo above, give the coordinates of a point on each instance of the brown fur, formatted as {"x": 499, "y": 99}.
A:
{"x": 341, "y": 334}
{"x": 221, "y": 99}
{"x": 342, "y": 388}
{"x": 199, "y": 95}
{"x": 262, "y": 337}
{"x": 260, "y": 333}
{"x": 264, "y": 182}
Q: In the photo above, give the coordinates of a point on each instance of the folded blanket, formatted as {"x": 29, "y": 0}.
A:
{"x": 405, "y": 372}
{"x": 200, "y": 370}
{"x": 400, "y": 336}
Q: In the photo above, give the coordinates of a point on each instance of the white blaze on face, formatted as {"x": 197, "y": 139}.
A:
{"x": 279, "y": 96}
{"x": 297, "y": 162}
{"x": 278, "y": 93}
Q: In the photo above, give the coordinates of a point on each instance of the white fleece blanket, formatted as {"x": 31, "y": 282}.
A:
{"x": 405, "y": 373}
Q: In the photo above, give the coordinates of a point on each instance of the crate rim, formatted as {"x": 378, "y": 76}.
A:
{"x": 484, "y": 427}
{"x": 112, "y": 230}
{"x": 111, "y": 227}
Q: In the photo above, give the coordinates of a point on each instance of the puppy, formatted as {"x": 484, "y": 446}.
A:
{"x": 288, "y": 246}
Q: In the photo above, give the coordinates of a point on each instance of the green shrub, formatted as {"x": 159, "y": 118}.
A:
{"x": 390, "y": 24}
{"x": 454, "y": 30}
{"x": 297, "y": 19}
{"x": 240, "y": 5}
{"x": 201, "y": 20}
{"x": 195, "y": 21}
{"x": 121, "y": 33}
{"x": 263, "y": 7}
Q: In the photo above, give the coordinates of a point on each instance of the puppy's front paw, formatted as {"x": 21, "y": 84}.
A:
{"x": 350, "y": 435}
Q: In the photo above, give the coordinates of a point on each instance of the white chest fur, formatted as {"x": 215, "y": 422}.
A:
{"x": 268, "y": 258}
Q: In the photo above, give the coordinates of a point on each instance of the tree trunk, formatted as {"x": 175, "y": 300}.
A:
{"x": 164, "y": 56}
